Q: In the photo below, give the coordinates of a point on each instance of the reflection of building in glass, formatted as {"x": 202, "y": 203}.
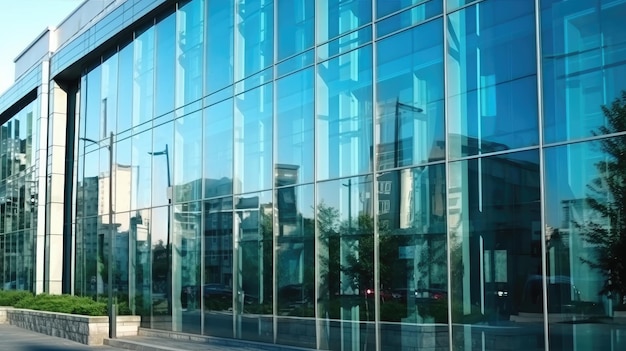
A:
{"x": 335, "y": 175}
{"x": 18, "y": 201}
{"x": 92, "y": 206}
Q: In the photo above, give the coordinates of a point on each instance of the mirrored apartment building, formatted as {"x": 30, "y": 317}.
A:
{"x": 327, "y": 174}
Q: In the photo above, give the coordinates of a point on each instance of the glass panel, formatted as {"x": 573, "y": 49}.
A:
{"x": 143, "y": 77}
{"x": 12, "y": 201}
{"x": 219, "y": 33}
{"x": 190, "y": 40}
{"x": 345, "y": 251}
{"x": 295, "y": 266}
{"x": 4, "y": 149}
{"x": 218, "y": 267}
{"x": 254, "y": 80}
{"x": 254, "y": 37}
{"x": 345, "y": 43}
{"x": 294, "y": 129}
{"x": 494, "y": 221}
{"x": 109, "y": 96}
{"x": 122, "y": 270}
{"x": 585, "y": 244}
{"x": 161, "y": 164}
{"x": 125, "y": 89}
{"x": 584, "y": 58}
{"x": 31, "y": 189}
{"x": 335, "y": 17}
{"x": 141, "y": 197}
{"x": 295, "y": 27}
{"x": 344, "y": 115}
{"x": 186, "y": 266}
{"x": 219, "y": 96}
{"x": 492, "y": 95}
{"x": 32, "y": 135}
{"x": 165, "y": 76}
{"x": 188, "y": 158}
{"x": 253, "y": 140}
{"x": 454, "y": 4}
{"x": 218, "y": 149}
{"x": 3, "y": 255}
{"x": 385, "y": 7}
{"x": 413, "y": 261}
{"x": 124, "y": 174}
{"x": 165, "y": 300}
{"x": 140, "y": 276}
{"x": 92, "y": 120}
{"x": 90, "y": 186}
{"x": 254, "y": 267}
{"x": 93, "y": 260}
{"x": 409, "y": 17}
{"x": 295, "y": 63}
{"x": 410, "y": 97}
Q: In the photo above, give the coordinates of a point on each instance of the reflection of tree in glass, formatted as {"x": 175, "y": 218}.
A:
{"x": 607, "y": 198}
{"x": 159, "y": 266}
{"x": 358, "y": 260}
{"x": 357, "y": 240}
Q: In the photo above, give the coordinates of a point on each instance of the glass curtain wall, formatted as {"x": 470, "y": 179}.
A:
{"x": 583, "y": 58}
{"x": 353, "y": 175}
{"x": 18, "y": 199}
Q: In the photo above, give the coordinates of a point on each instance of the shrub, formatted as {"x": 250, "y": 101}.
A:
{"x": 11, "y": 297}
{"x": 63, "y": 304}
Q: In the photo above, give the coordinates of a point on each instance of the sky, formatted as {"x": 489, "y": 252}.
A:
{"x": 20, "y": 23}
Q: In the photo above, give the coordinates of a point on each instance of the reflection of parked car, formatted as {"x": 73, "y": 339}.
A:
{"x": 213, "y": 290}
{"x": 431, "y": 294}
{"x": 562, "y": 294}
{"x": 420, "y": 295}
{"x": 221, "y": 292}
{"x": 402, "y": 294}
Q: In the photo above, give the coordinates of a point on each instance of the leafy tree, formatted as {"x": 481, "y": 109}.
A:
{"x": 607, "y": 198}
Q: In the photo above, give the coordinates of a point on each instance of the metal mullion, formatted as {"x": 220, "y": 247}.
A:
{"x": 274, "y": 197}
{"x": 316, "y": 241}
{"x": 447, "y": 165}
{"x": 542, "y": 195}
{"x": 375, "y": 211}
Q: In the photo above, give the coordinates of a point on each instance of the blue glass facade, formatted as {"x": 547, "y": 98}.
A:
{"x": 349, "y": 175}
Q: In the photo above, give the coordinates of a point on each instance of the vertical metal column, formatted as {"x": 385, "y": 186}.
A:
{"x": 111, "y": 305}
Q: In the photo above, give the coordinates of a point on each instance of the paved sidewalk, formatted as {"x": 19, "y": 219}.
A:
{"x": 17, "y": 339}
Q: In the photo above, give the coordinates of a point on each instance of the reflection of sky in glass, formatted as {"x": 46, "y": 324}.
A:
{"x": 219, "y": 140}
{"x": 253, "y": 142}
{"x": 141, "y": 146}
{"x": 294, "y": 123}
{"x": 350, "y": 196}
{"x": 492, "y": 89}
{"x": 188, "y": 149}
{"x": 583, "y": 66}
{"x": 344, "y": 114}
{"x": 569, "y": 170}
{"x": 159, "y": 224}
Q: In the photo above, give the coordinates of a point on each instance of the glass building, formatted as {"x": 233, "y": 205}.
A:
{"x": 328, "y": 174}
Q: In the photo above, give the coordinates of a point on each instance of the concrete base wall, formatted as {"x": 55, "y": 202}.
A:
{"x": 83, "y": 329}
{"x": 3, "y": 314}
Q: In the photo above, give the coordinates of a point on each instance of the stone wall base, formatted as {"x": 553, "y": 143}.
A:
{"x": 83, "y": 329}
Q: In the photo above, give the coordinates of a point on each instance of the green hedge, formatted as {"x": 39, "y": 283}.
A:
{"x": 11, "y": 297}
{"x": 53, "y": 303}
